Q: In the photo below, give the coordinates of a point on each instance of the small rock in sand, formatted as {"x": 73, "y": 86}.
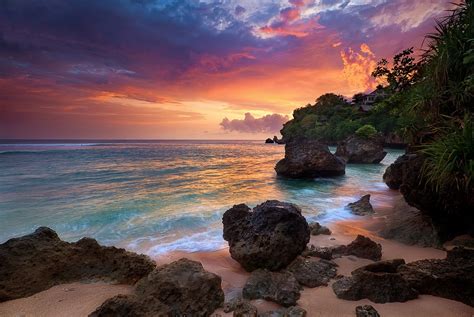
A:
{"x": 311, "y": 272}
{"x": 366, "y": 311}
{"x": 317, "y": 229}
{"x": 361, "y": 207}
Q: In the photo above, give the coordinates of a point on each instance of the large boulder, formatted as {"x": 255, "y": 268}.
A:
{"x": 311, "y": 272}
{"x": 449, "y": 207}
{"x": 356, "y": 149}
{"x": 451, "y": 278}
{"x": 380, "y": 282}
{"x": 361, "y": 207}
{"x": 40, "y": 260}
{"x": 279, "y": 287}
{"x": 181, "y": 288}
{"x": 309, "y": 159}
{"x": 270, "y": 236}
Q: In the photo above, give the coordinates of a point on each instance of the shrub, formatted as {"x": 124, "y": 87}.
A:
{"x": 366, "y": 131}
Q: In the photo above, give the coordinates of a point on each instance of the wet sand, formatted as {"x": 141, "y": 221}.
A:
{"x": 81, "y": 299}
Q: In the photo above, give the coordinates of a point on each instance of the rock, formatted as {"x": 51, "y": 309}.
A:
{"x": 309, "y": 159}
{"x": 278, "y": 141}
{"x": 40, "y": 260}
{"x": 361, "y": 207}
{"x": 449, "y": 207}
{"x": 451, "y": 278}
{"x": 269, "y": 140}
{"x": 180, "y": 288}
{"x": 320, "y": 252}
{"x": 279, "y": 287}
{"x": 361, "y": 247}
{"x": 357, "y": 149}
{"x": 245, "y": 309}
{"x": 380, "y": 282}
{"x": 366, "y": 311}
{"x": 293, "y": 311}
{"x": 270, "y": 236}
{"x": 312, "y": 272}
{"x": 317, "y": 229}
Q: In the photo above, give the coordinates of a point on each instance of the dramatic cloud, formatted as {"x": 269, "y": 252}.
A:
{"x": 271, "y": 123}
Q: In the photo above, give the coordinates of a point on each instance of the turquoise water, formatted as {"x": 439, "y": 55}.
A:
{"x": 163, "y": 196}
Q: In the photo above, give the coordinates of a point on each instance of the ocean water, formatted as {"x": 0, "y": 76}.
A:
{"x": 159, "y": 196}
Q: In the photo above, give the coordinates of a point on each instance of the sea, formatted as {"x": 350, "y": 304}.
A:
{"x": 159, "y": 196}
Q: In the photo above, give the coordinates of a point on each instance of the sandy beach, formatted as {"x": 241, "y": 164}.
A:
{"x": 79, "y": 299}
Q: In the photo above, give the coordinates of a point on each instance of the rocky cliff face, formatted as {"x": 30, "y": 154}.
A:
{"x": 450, "y": 208}
{"x": 357, "y": 149}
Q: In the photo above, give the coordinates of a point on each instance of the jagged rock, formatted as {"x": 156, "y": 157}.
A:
{"x": 366, "y": 311}
{"x": 320, "y": 252}
{"x": 270, "y": 236}
{"x": 293, "y": 311}
{"x": 361, "y": 247}
{"x": 395, "y": 173}
{"x": 309, "y": 159}
{"x": 280, "y": 287}
{"x": 312, "y": 272}
{"x": 361, "y": 207}
{"x": 317, "y": 229}
{"x": 269, "y": 140}
{"x": 278, "y": 141}
{"x": 357, "y": 149}
{"x": 40, "y": 260}
{"x": 180, "y": 288}
{"x": 451, "y": 278}
{"x": 245, "y": 309}
{"x": 380, "y": 282}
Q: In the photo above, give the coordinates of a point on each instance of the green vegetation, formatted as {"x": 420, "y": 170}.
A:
{"x": 366, "y": 131}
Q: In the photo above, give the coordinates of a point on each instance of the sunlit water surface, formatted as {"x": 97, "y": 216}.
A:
{"x": 161, "y": 196}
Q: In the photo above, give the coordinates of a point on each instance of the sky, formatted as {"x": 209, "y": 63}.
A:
{"x": 211, "y": 69}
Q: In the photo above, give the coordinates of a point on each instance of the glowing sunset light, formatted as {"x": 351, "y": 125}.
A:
{"x": 177, "y": 69}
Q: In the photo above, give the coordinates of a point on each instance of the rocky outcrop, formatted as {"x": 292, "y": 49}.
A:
{"x": 449, "y": 207}
{"x": 451, "y": 278}
{"x": 380, "y": 282}
{"x": 361, "y": 247}
{"x": 270, "y": 236}
{"x": 361, "y": 207}
{"x": 37, "y": 261}
{"x": 278, "y": 141}
{"x": 293, "y": 311}
{"x": 180, "y": 288}
{"x": 366, "y": 311}
{"x": 311, "y": 272}
{"x": 357, "y": 149}
{"x": 316, "y": 229}
{"x": 309, "y": 159}
{"x": 269, "y": 141}
{"x": 279, "y": 287}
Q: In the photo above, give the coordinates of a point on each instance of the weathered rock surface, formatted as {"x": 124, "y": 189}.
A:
{"x": 451, "y": 278}
{"x": 309, "y": 159}
{"x": 316, "y": 229}
{"x": 280, "y": 287}
{"x": 380, "y": 282}
{"x": 293, "y": 311}
{"x": 356, "y": 149}
{"x": 320, "y": 252}
{"x": 245, "y": 309}
{"x": 38, "y": 261}
{"x": 449, "y": 207}
{"x": 269, "y": 141}
{"x": 180, "y": 288}
{"x": 270, "y": 236}
{"x": 366, "y": 311}
{"x": 311, "y": 272}
{"x": 361, "y": 247}
{"x": 361, "y": 207}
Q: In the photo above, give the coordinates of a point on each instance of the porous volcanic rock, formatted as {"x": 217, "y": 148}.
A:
{"x": 279, "y": 287}
{"x": 451, "y": 278}
{"x": 270, "y": 236}
{"x": 309, "y": 159}
{"x": 311, "y": 272}
{"x": 380, "y": 282}
{"x": 361, "y": 207}
{"x": 40, "y": 260}
{"x": 293, "y": 311}
{"x": 316, "y": 229}
{"x": 180, "y": 288}
{"x": 357, "y": 149}
{"x": 361, "y": 247}
{"x": 366, "y": 311}
{"x": 320, "y": 252}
